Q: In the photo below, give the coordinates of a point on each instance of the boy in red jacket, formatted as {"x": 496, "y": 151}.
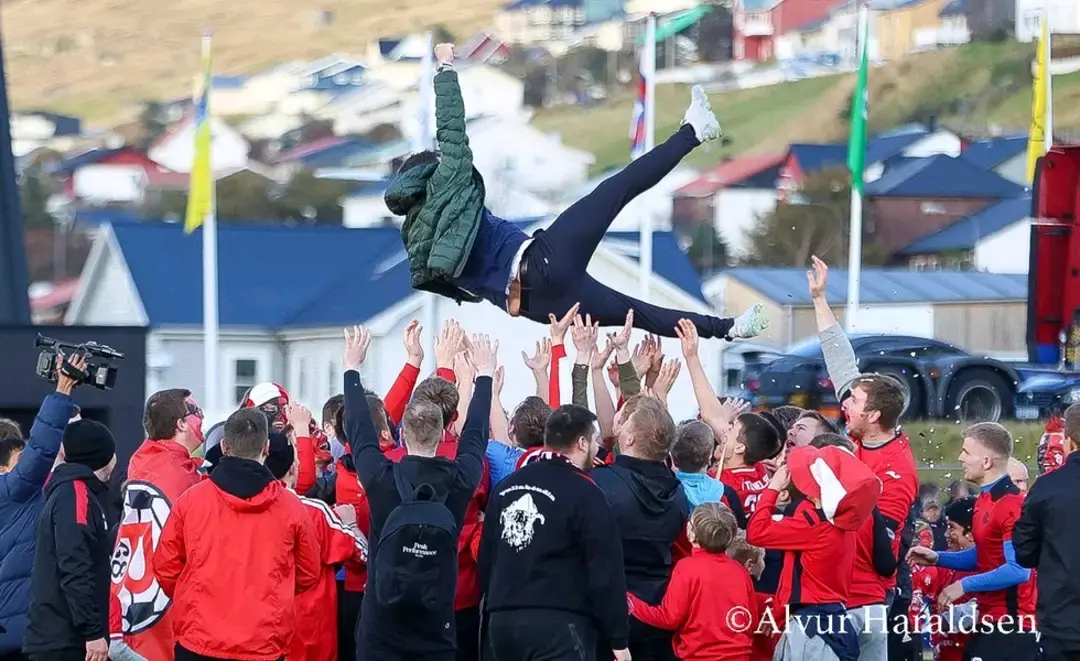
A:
{"x": 709, "y": 603}
{"x": 235, "y": 551}
{"x": 339, "y": 543}
{"x": 751, "y": 440}
{"x": 765, "y": 636}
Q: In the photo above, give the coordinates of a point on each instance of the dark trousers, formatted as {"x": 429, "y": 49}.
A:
{"x": 467, "y": 622}
{"x": 534, "y": 634}
{"x": 67, "y": 654}
{"x": 996, "y": 646}
{"x": 902, "y": 646}
{"x": 553, "y": 268}
{"x": 1058, "y": 651}
{"x": 182, "y": 654}
{"x": 349, "y": 603}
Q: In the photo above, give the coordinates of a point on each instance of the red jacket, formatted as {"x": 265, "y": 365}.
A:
{"x": 233, "y": 565}
{"x": 767, "y": 634}
{"x": 315, "y": 638}
{"x": 468, "y": 580}
{"x": 706, "y": 593}
{"x": 748, "y": 482}
{"x": 347, "y": 491}
{"x": 866, "y": 584}
{"x": 818, "y": 556}
{"x": 894, "y": 465}
{"x": 158, "y": 473}
{"x": 996, "y": 511}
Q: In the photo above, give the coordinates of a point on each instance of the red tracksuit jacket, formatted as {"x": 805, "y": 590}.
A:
{"x": 705, "y": 592}
{"x": 315, "y": 638}
{"x": 818, "y": 556}
{"x": 233, "y": 566}
{"x": 996, "y": 511}
{"x": 748, "y": 482}
{"x": 893, "y": 464}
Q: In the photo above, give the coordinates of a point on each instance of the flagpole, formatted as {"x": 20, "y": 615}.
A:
{"x": 1048, "y": 130}
{"x": 210, "y": 272}
{"x": 648, "y": 69}
{"x": 858, "y": 162}
{"x": 424, "y": 139}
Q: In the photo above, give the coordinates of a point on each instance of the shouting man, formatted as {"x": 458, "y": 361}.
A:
{"x": 458, "y": 249}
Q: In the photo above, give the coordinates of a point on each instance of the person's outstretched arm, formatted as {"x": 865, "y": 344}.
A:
{"x": 474, "y": 435}
{"x": 359, "y": 428}
{"x": 456, "y": 159}
{"x": 840, "y": 361}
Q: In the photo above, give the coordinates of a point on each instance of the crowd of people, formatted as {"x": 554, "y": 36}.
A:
{"x": 436, "y": 524}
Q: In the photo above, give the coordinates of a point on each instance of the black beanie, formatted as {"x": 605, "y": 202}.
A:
{"x": 88, "y": 443}
{"x": 281, "y": 455}
{"x": 961, "y": 511}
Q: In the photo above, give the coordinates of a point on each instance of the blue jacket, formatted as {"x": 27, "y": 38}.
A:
{"x": 487, "y": 271}
{"x": 22, "y": 498}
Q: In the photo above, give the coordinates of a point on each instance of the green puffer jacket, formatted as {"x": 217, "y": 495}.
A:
{"x": 443, "y": 204}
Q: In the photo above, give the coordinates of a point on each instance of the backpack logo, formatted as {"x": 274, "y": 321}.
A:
{"x": 519, "y": 521}
{"x": 419, "y": 550}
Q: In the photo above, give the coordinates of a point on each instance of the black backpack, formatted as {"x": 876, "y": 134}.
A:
{"x": 417, "y": 552}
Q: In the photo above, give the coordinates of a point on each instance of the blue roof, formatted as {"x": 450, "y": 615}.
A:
{"x": 387, "y": 46}
{"x": 966, "y": 232}
{"x": 361, "y": 272}
{"x": 886, "y": 146}
{"x": 954, "y": 8}
{"x": 555, "y": 4}
{"x": 992, "y": 152}
{"x": 943, "y": 176}
{"x": 69, "y": 165}
{"x": 814, "y": 157}
{"x": 787, "y": 286}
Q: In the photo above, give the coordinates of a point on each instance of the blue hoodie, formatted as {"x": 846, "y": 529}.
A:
{"x": 700, "y": 488}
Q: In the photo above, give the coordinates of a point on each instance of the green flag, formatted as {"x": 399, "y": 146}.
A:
{"x": 860, "y": 108}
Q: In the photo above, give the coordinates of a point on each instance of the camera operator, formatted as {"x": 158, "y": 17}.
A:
{"x": 22, "y": 497}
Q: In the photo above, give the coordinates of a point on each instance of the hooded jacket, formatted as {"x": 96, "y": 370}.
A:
{"x": 651, "y": 510}
{"x": 69, "y": 593}
{"x": 235, "y": 551}
{"x": 157, "y": 474}
{"x": 21, "y": 502}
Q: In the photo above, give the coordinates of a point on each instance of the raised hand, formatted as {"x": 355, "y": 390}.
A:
{"x": 600, "y": 358}
{"x": 450, "y": 341}
{"x": 357, "y": 344}
{"x": 920, "y": 555}
{"x": 621, "y": 338}
{"x": 733, "y": 407}
{"x": 299, "y": 417}
{"x": 642, "y": 358}
{"x": 539, "y": 362}
{"x": 463, "y": 368}
{"x": 817, "y": 277}
{"x": 484, "y": 355}
{"x": 414, "y": 350}
{"x": 669, "y": 372}
{"x": 444, "y": 53}
{"x": 500, "y": 379}
{"x": 687, "y": 333}
{"x": 558, "y": 327}
{"x": 585, "y": 334}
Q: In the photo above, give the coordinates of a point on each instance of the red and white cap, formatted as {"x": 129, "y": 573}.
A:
{"x": 266, "y": 392}
{"x": 847, "y": 488}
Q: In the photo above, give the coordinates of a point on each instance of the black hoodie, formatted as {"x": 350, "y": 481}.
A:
{"x": 69, "y": 589}
{"x": 383, "y": 631}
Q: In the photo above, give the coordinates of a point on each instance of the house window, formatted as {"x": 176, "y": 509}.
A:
{"x": 245, "y": 376}
{"x": 932, "y": 209}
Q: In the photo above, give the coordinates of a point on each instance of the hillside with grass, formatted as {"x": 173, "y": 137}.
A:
{"x": 90, "y": 57}
{"x": 970, "y": 89}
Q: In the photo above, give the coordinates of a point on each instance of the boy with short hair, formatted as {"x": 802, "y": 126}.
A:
{"x": 751, "y": 440}
{"x": 690, "y": 457}
{"x": 706, "y": 584}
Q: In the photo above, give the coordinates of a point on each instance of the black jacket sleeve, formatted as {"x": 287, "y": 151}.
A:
{"x": 1027, "y": 531}
{"x": 884, "y": 560}
{"x": 731, "y": 499}
{"x": 604, "y": 558}
{"x": 474, "y": 434}
{"x": 360, "y": 430}
{"x": 76, "y": 530}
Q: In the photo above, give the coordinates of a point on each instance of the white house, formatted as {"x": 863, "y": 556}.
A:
{"x": 175, "y": 149}
{"x": 526, "y": 158}
{"x": 731, "y": 196}
{"x": 360, "y": 110}
{"x": 35, "y": 129}
{"x": 1064, "y": 17}
{"x": 287, "y": 327}
{"x": 996, "y": 240}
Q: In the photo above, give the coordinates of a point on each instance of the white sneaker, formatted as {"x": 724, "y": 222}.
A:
{"x": 701, "y": 117}
{"x": 750, "y": 323}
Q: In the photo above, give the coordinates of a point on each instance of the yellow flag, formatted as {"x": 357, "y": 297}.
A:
{"x": 201, "y": 187}
{"x": 1039, "y": 102}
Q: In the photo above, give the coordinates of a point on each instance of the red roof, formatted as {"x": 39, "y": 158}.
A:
{"x": 729, "y": 173}
{"x": 61, "y": 294}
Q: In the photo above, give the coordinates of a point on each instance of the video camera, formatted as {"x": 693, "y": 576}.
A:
{"x": 99, "y": 373}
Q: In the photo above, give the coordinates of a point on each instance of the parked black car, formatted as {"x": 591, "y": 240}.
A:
{"x": 943, "y": 381}
{"x": 1045, "y": 393}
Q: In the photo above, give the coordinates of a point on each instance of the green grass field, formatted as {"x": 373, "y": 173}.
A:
{"x": 936, "y": 445}
{"x": 970, "y": 89}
